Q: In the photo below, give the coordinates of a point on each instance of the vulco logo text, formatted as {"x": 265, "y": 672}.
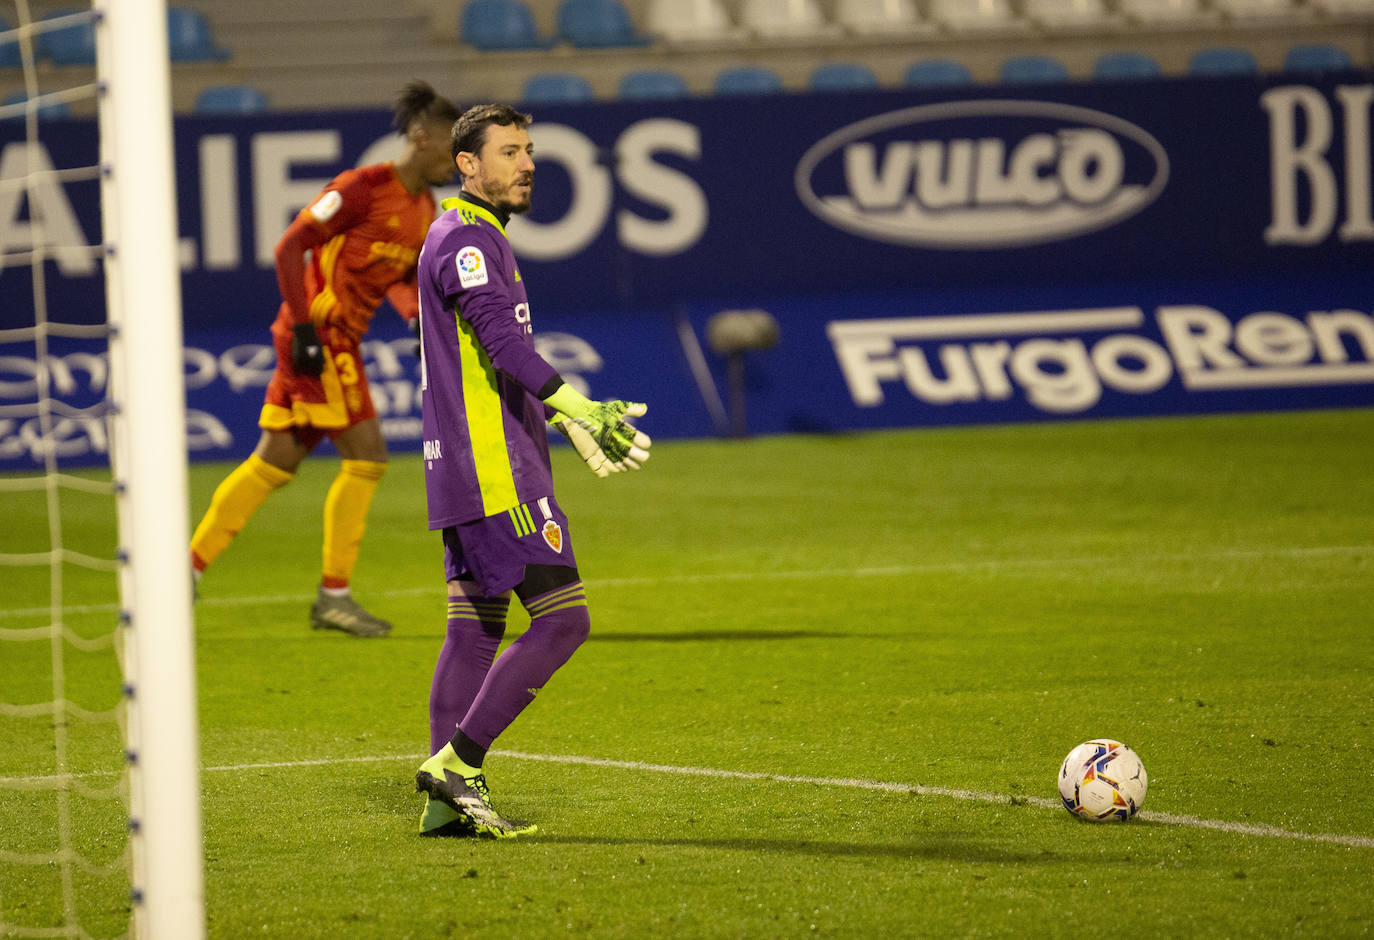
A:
{"x": 992, "y": 356}
{"x": 933, "y": 176}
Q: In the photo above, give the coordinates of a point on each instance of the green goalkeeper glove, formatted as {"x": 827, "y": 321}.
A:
{"x": 625, "y": 447}
{"x": 581, "y": 440}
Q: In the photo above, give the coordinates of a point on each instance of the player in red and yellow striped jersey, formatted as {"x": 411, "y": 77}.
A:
{"x": 364, "y": 233}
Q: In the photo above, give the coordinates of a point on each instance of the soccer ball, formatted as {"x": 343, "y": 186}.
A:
{"x": 1103, "y": 780}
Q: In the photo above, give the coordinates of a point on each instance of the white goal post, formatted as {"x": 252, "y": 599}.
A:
{"x": 143, "y": 293}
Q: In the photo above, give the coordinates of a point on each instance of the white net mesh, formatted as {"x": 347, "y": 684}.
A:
{"x": 65, "y": 853}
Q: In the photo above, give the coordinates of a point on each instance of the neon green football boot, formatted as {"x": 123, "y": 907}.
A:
{"x": 439, "y": 819}
{"x": 463, "y": 789}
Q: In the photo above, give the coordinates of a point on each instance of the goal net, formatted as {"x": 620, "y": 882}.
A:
{"x": 99, "y": 782}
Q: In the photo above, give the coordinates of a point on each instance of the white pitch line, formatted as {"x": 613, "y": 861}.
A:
{"x": 885, "y": 571}
{"x": 1172, "y": 819}
{"x": 850, "y": 783}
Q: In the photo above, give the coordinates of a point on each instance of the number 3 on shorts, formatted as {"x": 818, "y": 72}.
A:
{"x": 348, "y": 368}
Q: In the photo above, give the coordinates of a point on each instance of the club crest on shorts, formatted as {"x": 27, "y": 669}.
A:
{"x": 553, "y": 535}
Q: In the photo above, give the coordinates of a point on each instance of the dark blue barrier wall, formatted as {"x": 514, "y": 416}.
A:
{"x": 983, "y": 255}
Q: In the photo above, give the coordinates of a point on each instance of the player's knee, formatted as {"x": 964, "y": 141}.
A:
{"x": 567, "y": 629}
{"x": 363, "y": 441}
{"x": 365, "y": 469}
{"x": 270, "y": 474}
{"x": 560, "y": 612}
{"x": 280, "y": 453}
{"x": 579, "y": 628}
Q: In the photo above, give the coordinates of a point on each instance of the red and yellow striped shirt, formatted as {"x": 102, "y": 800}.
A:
{"x": 369, "y": 230}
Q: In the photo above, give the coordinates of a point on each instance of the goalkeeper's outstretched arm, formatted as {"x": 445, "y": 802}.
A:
{"x": 486, "y": 307}
{"x": 624, "y": 446}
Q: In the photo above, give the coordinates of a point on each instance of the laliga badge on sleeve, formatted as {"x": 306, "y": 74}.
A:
{"x": 553, "y": 534}
{"x": 472, "y": 267}
{"x": 324, "y": 208}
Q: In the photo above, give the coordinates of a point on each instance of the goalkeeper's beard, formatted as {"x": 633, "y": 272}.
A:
{"x": 515, "y": 205}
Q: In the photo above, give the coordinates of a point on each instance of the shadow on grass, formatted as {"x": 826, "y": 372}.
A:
{"x": 706, "y": 636}
{"x": 680, "y": 636}
{"x": 938, "y": 847}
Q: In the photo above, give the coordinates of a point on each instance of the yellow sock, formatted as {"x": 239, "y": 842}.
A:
{"x": 345, "y": 518}
{"x": 235, "y": 500}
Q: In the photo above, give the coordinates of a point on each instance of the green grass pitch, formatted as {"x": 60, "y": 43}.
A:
{"x": 929, "y": 609}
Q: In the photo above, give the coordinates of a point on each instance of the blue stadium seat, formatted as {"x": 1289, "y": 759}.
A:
{"x": 1031, "y": 69}
{"x": 597, "y": 24}
{"x": 556, "y": 88}
{"x": 68, "y": 45}
{"x": 499, "y": 24}
{"x": 189, "y": 38}
{"x": 842, "y": 76}
{"x": 1317, "y": 58}
{"x": 652, "y": 83}
{"x": 9, "y": 48}
{"x": 230, "y": 99}
{"x": 1223, "y": 60}
{"x": 747, "y": 80}
{"x": 57, "y": 109}
{"x": 937, "y": 73}
{"x": 1125, "y": 65}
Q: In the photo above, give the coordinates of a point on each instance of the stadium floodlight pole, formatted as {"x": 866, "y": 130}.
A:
{"x": 143, "y": 291}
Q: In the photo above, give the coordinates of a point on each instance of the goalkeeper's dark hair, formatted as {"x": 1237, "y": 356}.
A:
{"x": 419, "y": 102}
{"x": 470, "y": 130}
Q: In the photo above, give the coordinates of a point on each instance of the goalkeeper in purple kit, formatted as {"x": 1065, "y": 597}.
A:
{"x": 488, "y": 399}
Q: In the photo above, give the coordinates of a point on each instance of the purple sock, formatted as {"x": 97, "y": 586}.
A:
{"x": 558, "y": 625}
{"x": 475, "y": 627}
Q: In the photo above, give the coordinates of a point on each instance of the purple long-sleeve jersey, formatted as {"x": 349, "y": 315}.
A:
{"x": 486, "y": 445}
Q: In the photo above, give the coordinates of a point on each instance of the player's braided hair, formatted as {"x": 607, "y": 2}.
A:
{"x": 418, "y": 101}
{"x": 470, "y": 130}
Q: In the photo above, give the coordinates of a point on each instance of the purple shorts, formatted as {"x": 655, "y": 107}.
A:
{"x": 495, "y": 550}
